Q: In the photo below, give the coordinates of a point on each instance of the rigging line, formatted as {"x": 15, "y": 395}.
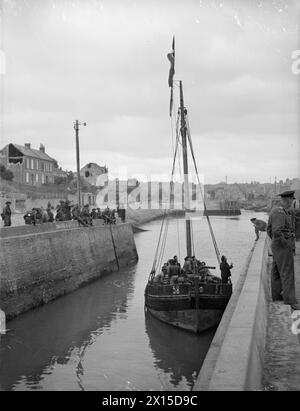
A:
{"x": 208, "y": 219}
{"x": 162, "y": 251}
{"x": 202, "y": 194}
{"x": 157, "y": 261}
{"x": 157, "y": 248}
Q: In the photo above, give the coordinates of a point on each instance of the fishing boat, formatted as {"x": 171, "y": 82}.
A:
{"x": 194, "y": 299}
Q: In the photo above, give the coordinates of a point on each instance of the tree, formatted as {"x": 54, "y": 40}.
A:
{"x": 59, "y": 180}
{"x": 6, "y": 174}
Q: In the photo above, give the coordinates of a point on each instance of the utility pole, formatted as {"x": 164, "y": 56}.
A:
{"x": 76, "y": 128}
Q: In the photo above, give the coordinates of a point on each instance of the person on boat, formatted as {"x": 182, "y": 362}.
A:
{"x": 187, "y": 266}
{"x": 164, "y": 269}
{"x": 174, "y": 271}
{"x": 259, "y": 225}
{"x": 175, "y": 259}
{"x": 225, "y": 270}
{"x": 280, "y": 230}
{"x": 158, "y": 279}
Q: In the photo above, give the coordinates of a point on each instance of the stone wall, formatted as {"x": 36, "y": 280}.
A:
{"x": 39, "y": 266}
{"x": 236, "y": 356}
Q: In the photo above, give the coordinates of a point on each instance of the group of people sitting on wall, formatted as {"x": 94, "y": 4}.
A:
{"x": 172, "y": 273}
{"x": 66, "y": 212}
{"x": 39, "y": 215}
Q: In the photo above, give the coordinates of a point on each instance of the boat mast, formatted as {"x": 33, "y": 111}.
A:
{"x": 183, "y": 112}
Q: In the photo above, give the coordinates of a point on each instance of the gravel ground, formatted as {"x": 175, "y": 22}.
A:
{"x": 282, "y": 366}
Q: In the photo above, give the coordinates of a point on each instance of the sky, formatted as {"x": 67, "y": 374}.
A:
{"x": 104, "y": 62}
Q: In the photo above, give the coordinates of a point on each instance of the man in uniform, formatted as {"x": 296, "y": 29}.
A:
{"x": 280, "y": 230}
{"x": 225, "y": 270}
{"x": 85, "y": 215}
{"x": 6, "y": 214}
{"x": 259, "y": 225}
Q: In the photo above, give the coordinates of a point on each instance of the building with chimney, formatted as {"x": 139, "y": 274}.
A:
{"x": 29, "y": 166}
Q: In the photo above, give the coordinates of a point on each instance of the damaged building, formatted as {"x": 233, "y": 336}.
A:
{"x": 29, "y": 166}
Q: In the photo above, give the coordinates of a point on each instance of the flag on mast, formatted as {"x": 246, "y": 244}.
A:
{"x": 171, "y": 58}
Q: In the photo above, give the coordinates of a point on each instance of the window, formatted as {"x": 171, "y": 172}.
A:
{"x": 37, "y": 164}
{"x": 32, "y": 164}
{"x": 51, "y": 167}
{"x": 43, "y": 178}
{"x": 36, "y": 178}
{"x": 27, "y": 177}
{"x": 27, "y": 163}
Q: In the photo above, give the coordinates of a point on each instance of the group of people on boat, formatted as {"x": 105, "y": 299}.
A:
{"x": 172, "y": 272}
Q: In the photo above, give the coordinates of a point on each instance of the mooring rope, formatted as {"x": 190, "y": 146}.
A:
{"x": 217, "y": 251}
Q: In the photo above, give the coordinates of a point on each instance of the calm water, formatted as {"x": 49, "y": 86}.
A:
{"x": 99, "y": 338}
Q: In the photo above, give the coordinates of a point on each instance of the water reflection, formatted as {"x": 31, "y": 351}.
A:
{"x": 177, "y": 353}
{"x": 49, "y": 335}
{"x": 98, "y": 338}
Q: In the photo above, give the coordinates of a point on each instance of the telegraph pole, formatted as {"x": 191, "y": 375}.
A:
{"x": 76, "y": 128}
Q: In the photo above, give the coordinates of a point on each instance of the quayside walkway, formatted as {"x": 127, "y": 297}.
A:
{"x": 282, "y": 362}
{"x": 255, "y": 347}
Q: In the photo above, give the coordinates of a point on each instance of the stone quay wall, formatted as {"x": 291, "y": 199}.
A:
{"x": 38, "y": 264}
{"x": 235, "y": 360}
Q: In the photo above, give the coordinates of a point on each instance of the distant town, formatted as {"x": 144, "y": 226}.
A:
{"x": 30, "y": 177}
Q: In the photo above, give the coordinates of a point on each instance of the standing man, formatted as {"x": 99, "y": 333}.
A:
{"x": 6, "y": 214}
{"x": 280, "y": 230}
{"x": 259, "y": 225}
{"x": 225, "y": 270}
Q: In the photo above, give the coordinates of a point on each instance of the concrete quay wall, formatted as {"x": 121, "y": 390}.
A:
{"x": 40, "y": 266}
{"x": 235, "y": 359}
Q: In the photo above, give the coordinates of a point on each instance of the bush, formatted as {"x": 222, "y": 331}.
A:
{"x": 59, "y": 180}
{"x": 6, "y": 174}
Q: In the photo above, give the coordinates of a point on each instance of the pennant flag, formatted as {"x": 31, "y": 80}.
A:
{"x": 171, "y": 58}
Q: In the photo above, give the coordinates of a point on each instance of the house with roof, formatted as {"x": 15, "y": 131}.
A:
{"x": 29, "y": 165}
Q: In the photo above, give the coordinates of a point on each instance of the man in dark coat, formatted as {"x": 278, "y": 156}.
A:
{"x": 225, "y": 270}
{"x": 280, "y": 230}
{"x": 6, "y": 214}
{"x": 259, "y": 225}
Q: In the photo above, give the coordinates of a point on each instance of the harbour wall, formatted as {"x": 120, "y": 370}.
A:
{"x": 236, "y": 356}
{"x": 39, "y": 264}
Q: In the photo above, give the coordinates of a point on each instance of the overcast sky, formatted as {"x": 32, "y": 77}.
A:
{"x": 104, "y": 62}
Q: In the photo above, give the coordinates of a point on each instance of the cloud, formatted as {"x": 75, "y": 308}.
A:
{"x": 105, "y": 62}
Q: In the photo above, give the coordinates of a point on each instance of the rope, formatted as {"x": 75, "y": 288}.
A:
{"x": 153, "y": 271}
{"x": 217, "y": 251}
{"x": 160, "y": 249}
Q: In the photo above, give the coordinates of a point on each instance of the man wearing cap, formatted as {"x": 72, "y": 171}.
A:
{"x": 6, "y": 214}
{"x": 259, "y": 225}
{"x": 85, "y": 215}
{"x": 280, "y": 230}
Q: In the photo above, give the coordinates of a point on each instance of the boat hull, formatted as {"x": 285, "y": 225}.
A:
{"x": 192, "y": 320}
{"x": 181, "y": 308}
